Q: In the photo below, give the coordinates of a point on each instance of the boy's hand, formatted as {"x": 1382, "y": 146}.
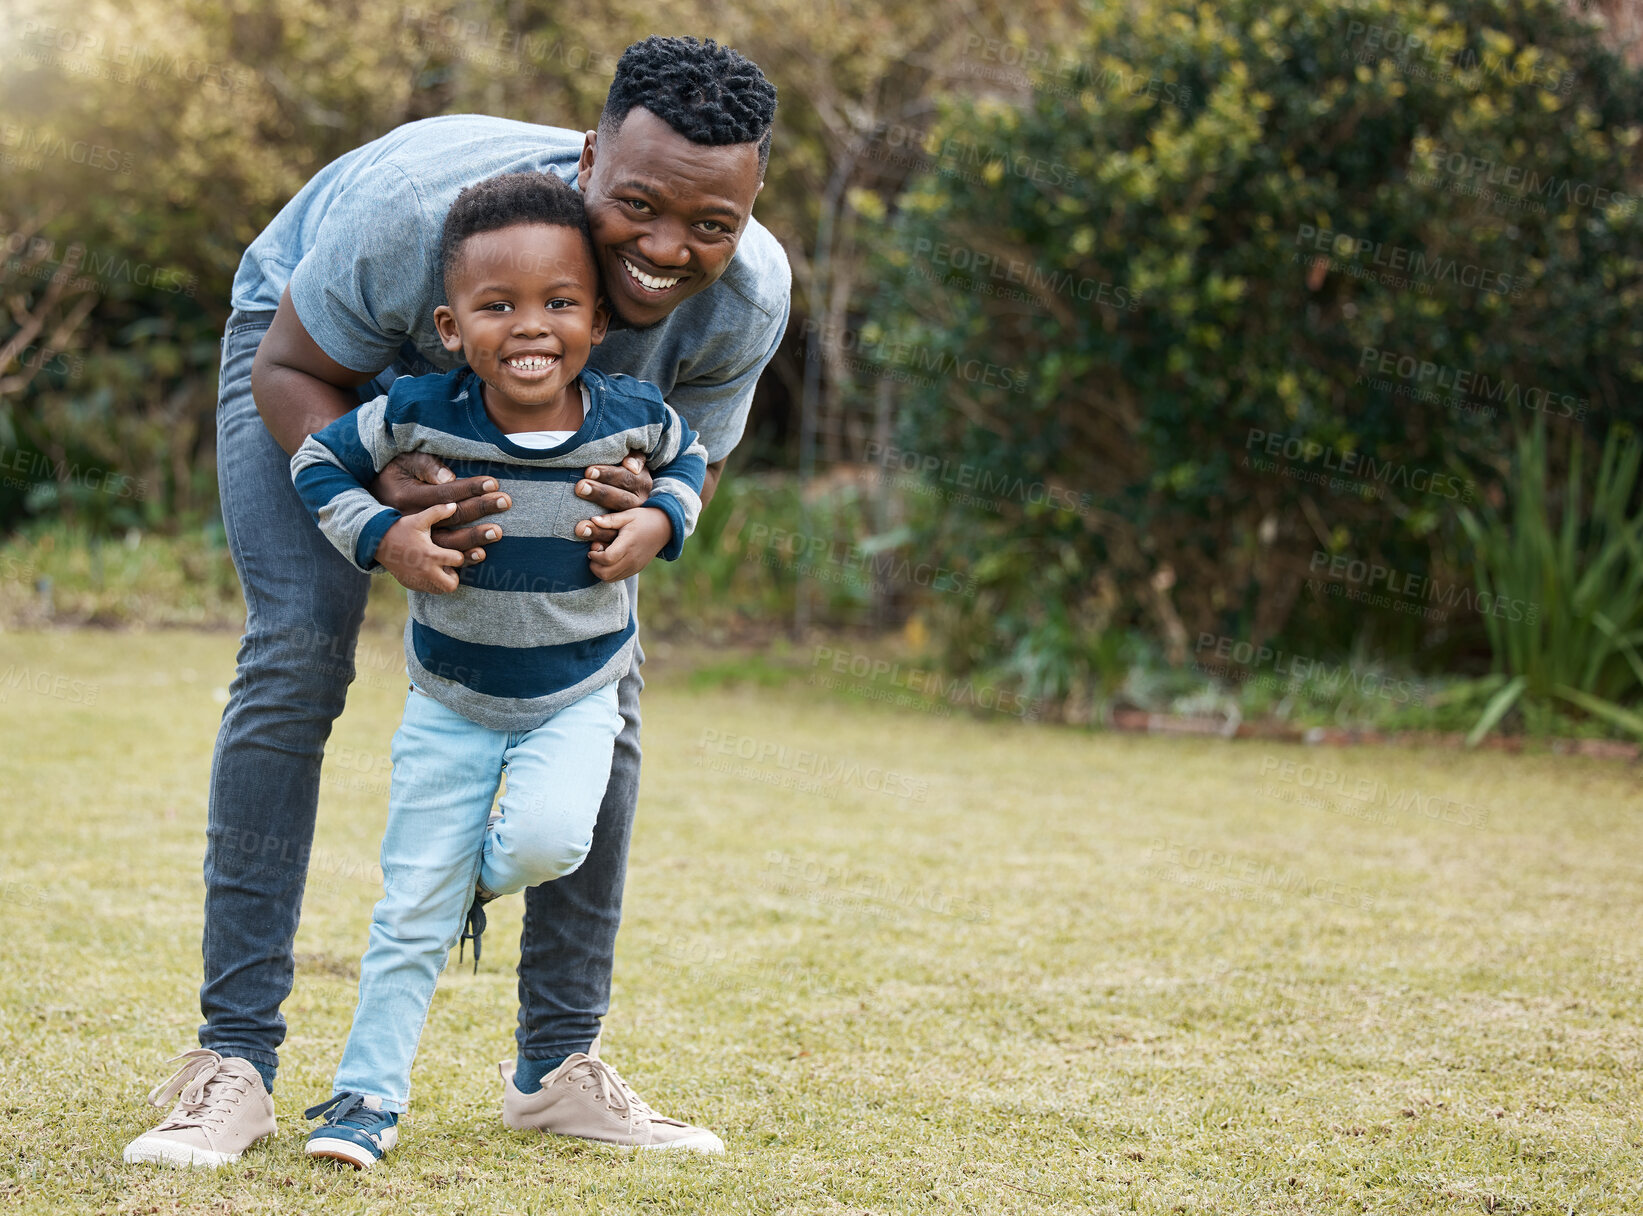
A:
{"x": 414, "y": 480}
{"x": 641, "y": 534}
{"x": 411, "y": 556}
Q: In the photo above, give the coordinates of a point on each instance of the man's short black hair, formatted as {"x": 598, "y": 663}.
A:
{"x": 708, "y": 93}
{"x": 501, "y": 202}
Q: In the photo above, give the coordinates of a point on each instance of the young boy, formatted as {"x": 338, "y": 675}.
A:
{"x": 514, "y": 661}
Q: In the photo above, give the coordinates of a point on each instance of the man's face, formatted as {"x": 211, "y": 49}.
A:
{"x": 666, "y": 213}
{"x": 525, "y": 311}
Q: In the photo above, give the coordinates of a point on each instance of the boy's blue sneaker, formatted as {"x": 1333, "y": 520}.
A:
{"x": 356, "y": 1130}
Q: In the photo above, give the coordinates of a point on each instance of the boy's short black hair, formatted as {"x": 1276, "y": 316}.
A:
{"x": 501, "y": 202}
{"x": 708, "y": 93}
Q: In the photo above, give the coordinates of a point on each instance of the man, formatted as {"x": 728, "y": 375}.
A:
{"x": 331, "y": 302}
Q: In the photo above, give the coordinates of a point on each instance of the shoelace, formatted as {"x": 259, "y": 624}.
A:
{"x": 202, "y": 1088}
{"x": 614, "y": 1092}
{"x": 473, "y": 927}
{"x": 336, "y": 1110}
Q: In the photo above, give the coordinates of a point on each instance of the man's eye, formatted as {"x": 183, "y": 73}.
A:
{"x": 715, "y": 227}
{"x": 638, "y": 204}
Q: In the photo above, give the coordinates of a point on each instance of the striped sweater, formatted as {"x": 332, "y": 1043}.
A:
{"x": 530, "y": 629}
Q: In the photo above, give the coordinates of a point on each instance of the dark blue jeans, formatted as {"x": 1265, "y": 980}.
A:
{"x": 303, "y": 606}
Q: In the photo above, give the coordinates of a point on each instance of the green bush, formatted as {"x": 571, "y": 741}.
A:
{"x": 1571, "y": 576}
{"x": 1237, "y": 226}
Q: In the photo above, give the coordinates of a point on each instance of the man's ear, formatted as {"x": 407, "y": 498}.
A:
{"x": 584, "y": 166}
{"x": 445, "y": 323}
{"x": 601, "y": 320}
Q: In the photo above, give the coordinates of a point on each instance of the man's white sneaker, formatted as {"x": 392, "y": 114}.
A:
{"x": 586, "y": 1098}
{"x": 222, "y": 1109}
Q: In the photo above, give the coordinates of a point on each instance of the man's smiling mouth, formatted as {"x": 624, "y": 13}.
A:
{"x": 651, "y": 283}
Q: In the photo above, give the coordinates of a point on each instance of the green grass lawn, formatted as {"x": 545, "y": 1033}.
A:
{"x": 1029, "y": 970}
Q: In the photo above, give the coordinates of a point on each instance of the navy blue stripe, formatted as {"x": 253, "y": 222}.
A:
{"x": 675, "y": 512}
{"x": 370, "y": 537}
{"x": 687, "y": 467}
{"x": 318, "y": 483}
{"x": 518, "y": 472}
{"x": 516, "y": 672}
{"x": 533, "y": 564}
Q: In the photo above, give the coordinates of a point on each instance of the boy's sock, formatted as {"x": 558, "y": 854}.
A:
{"x": 528, "y": 1074}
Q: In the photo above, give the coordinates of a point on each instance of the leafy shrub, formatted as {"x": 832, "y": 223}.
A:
{"x": 1577, "y": 571}
{"x": 1211, "y": 279}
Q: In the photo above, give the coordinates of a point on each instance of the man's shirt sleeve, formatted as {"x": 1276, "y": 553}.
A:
{"x": 718, "y": 400}
{"x": 362, "y": 287}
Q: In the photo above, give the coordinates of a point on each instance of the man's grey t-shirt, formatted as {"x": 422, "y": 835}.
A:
{"x": 359, "y": 248}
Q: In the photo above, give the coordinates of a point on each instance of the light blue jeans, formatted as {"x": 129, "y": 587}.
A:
{"x": 440, "y": 842}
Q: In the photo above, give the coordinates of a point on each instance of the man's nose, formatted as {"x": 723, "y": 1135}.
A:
{"x": 665, "y": 246}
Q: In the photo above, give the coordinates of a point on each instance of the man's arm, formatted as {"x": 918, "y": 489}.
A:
{"x": 299, "y": 389}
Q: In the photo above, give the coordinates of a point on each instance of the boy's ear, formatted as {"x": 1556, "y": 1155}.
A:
{"x": 445, "y": 322}
{"x": 601, "y": 320}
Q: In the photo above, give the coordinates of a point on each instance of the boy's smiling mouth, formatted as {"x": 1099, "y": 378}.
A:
{"x": 531, "y": 364}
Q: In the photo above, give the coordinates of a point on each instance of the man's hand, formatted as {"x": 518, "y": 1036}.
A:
{"x": 640, "y": 534}
{"x": 415, "y": 481}
{"x": 613, "y": 487}
{"x": 410, "y": 554}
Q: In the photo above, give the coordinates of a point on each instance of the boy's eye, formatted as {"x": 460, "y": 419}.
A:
{"x": 497, "y": 306}
{"x": 561, "y": 303}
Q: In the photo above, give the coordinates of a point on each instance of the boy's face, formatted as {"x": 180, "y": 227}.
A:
{"x": 525, "y": 310}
